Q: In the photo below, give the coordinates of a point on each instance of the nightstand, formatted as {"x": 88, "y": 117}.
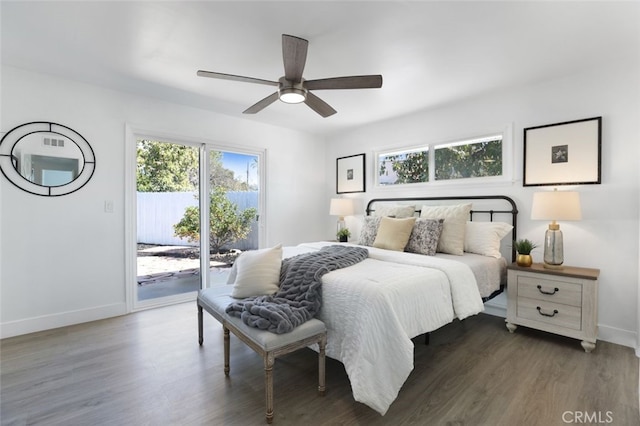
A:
{"x": 563, "y": 301}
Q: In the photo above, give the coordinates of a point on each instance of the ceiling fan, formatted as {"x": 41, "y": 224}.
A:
{"x": 292, "y": 88}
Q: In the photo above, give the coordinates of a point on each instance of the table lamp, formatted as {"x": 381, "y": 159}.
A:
{"x": 553, "y": 206}
{"x": 341, "y": 207}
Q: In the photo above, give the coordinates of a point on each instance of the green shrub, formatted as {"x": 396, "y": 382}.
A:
{"x": 226, "y": 224}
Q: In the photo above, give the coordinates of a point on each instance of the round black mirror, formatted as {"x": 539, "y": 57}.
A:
{"x": 46, "y": 158}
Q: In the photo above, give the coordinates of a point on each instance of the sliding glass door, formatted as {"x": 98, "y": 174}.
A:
{"x": 184, "y": 191}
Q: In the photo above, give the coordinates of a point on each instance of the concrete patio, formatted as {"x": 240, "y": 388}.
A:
{"x": 164, "y": 271}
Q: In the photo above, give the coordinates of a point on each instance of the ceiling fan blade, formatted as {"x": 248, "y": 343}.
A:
{"x": 318, "y": 105}
{"x": 294, "y": 55}
{"x": 232, "y": 77}
{"x": 353, "y": 82}
{"x": 260, "y": 105}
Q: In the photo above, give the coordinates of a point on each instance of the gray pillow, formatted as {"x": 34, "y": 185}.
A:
{"x": 369, "y": 230}
{"x": 425, "y": 236}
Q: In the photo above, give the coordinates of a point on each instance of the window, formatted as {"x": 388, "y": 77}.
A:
{"x": 469, "y": 159}
{"x": 408, "y": 166}
{"x": 475, "y": 158}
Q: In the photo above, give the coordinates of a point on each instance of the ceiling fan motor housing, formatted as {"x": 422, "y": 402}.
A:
{"x": 290, "y": 92}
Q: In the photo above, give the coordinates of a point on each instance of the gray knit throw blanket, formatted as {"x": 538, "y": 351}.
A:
{"x": 299, "y": 298}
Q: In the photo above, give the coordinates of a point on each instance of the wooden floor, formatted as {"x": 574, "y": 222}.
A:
{"x": 147, "y": 369}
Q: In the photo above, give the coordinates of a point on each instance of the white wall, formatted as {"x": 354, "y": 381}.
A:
{"x": 607, "y": 237}
{"x": 63, "y": 257}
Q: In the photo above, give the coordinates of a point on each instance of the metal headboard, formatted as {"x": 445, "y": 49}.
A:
{"x": 513, "y": 212}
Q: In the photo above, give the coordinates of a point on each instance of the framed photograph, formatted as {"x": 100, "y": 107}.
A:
{"x": 350, "y": 175}
{"x": 563, "y": 153}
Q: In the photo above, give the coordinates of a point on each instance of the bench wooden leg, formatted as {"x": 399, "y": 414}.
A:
{"x": 269, "y": 360}
{"x": 321, "y": 365}
{"x": 226, "y": 350}
{"x": 200, "y": 331}
{"x": 269, "y": 356}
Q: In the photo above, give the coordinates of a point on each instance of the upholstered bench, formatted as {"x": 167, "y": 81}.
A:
{"x": 269, "y": 345}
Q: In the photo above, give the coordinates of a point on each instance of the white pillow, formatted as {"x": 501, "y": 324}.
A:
{"x": 396, "y": 211}
{"x": 455, "y": 218}
{"x": 257, "y": 272}
{"x": 484, "y": 237}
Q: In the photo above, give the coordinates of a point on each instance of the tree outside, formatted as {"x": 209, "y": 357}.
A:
{"x": 219, "y": 176}
{"x": 411, "y": 167}
{"x": 166, "y": 167}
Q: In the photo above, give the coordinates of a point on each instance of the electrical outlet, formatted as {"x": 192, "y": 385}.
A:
{"x": 108, "y": 206}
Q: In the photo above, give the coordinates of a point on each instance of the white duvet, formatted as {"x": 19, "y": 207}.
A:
{"x": 374, "y": 308}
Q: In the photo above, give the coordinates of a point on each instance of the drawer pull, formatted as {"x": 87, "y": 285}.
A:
{"x": 555, "y": 290}
{"x": 555, "y": 311}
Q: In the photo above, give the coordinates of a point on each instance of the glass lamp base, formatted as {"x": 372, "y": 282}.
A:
{"x": 553, "y": 249}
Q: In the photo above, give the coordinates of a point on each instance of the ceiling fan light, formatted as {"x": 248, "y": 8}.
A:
{"x": 292, "y": 95}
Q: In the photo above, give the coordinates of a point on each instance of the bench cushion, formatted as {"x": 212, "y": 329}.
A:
{"x": 216, "y": 299}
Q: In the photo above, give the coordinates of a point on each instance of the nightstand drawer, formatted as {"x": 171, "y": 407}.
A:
{"x": 554, "y": 291}
{"x": 550, "y": 313}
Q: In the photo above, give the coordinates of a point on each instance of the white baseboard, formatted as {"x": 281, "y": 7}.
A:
{"x": 618, "y": 336}
{"x": 498, "y": 307}
{"x": 48, "y": 322}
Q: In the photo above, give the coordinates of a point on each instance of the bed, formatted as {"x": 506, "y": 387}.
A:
{"x": 374, "y": 308}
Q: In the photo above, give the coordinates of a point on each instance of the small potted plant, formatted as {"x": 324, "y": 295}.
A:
{"x": 524, "y": 248}
{"x": 343, "y": 235}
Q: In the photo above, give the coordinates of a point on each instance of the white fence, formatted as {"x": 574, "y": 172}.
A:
{"x": 159, "y": 211}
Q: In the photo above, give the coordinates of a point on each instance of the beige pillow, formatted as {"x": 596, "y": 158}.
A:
{"x": 455, "y": 220}
{"x": 396, "y": 211}
{"x": 257, "y": 272}
{"x": 393, "y": 234}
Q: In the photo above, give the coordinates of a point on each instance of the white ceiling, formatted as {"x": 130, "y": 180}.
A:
{"x": 429, "y": 53}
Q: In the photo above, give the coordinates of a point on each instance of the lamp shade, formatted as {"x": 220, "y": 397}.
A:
{"x": 341, "y": 207}
{"x": 556, "y": 205}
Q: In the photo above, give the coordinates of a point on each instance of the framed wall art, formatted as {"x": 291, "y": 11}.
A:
{"x": 563, "y": 153}
{"x": 350, "y": 174}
